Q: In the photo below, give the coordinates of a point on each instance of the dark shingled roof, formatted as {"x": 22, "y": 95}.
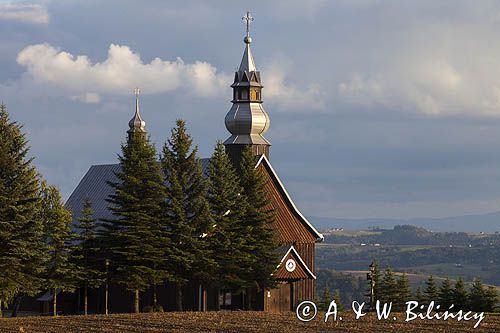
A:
{"x": 95, "y": 187}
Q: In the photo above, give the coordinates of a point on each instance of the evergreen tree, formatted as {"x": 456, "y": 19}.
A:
{"x": 259, "y": 218}
{"x": 135, "y": 240}
{"x": 431, "y": 290}
{"x": 477, "y": 296}
{"x": 378, "y": 280}
{"x": 60, "y": 273}
{"x": 460, "y": 295}
{"x": 86, "y": 252}
{"x": 22, "y": 251}
{"x": 419, "y": 296}
{"x": 187, "y": 215}
{"x": 338, "y": 300}
{"x": 491, "y": 299}
{"x": 229, "y": 238}
{"x": 404, "y": 292}
{"x": 326, "y": 298}
{"x": 388, "y": 287}
{"x": 445, "y": 294}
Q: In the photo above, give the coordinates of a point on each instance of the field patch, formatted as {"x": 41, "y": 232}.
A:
{"x": 233, "y": 322}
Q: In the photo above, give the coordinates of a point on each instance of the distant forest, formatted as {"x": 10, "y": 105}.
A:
{"x": 412, "y": 235}
{"x": 414, "y": 250}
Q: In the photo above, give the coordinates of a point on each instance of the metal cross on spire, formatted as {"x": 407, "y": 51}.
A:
{"x": 247, "y": 19}
{"x": 137, "y": 91}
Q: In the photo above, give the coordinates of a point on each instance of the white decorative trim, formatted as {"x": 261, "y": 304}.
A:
{"x": 319, "y": 236}
{"x": 300, "y": 259}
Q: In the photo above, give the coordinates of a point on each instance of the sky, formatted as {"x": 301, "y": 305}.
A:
{"x": 385, "y": 109}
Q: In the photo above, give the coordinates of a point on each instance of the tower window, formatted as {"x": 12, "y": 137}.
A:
{"x": 239, "y": 94}
{"x": 244, "y": 94}
{"x": 257, "y": 95}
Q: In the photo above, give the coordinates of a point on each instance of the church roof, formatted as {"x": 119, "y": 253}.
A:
{"x": 94, "y": 185}
{"x": 319, "y": 237}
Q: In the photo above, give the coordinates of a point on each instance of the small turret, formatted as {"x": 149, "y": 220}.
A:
{"x": 136, "y": 124}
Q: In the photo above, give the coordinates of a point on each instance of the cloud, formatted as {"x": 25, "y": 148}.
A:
{"x": 87, "y": 98}
{"x": 23, "y": 12}
{"x": 119, "y": 73}
{"x": 280, "y": 90}
{"x": 429, "y": 65}
{"x": 434, "y": 88}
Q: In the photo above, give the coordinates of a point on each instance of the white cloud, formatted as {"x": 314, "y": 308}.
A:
{"x": 87, "y": 98}
{"x": 435, "y": 68}
{"x": 286, "y": 95}
{"x": 24, "y": 12}
{"x": 119, "y": 73}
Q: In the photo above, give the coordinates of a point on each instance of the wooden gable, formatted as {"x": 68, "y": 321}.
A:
{"x": 292, "y": 267}
{"x": 291, "y": 225}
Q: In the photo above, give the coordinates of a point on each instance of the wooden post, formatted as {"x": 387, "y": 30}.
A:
{"x": 54, "y": 304}
{"x": 178, "y": 298}
{"x": 155, "y": 298}
{"x": 85, "y": 299}
{"x": 106, "y": 296}
{"x": 136, "y": 301}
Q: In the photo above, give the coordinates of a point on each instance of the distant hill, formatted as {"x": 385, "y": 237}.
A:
{"x": 488, "y": 223}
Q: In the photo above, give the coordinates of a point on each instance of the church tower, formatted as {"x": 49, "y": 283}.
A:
{"x": 247, "y": 120}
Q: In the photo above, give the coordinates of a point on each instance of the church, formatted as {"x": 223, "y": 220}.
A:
{"x": 247, "y": 121}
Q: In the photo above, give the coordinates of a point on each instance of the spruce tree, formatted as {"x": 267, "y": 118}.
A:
{"x": 338, "y": 300}
{"x": 229, "y": 238}
{"x": 259, "y": 218}
{"x": 86, "y": 252}
{"x": 135, "y": 240}
{"x": 186, "y": 212}
{"x": 491, "y": 299}
{"x": 326, "y": 298}
{"x": 419, "y": 296}
{"x": 431, "y": 290}
{"x": 377, "y": 278}
{"x": 388, "y": 287}
{"x": 61, "y": 273}
{"x": 476, "y": 299}
{"x": 445, "y": 294}
{"x": 403, "y": 290}
{"x": 22, "y": 251}
{"x": 460, "y": 295}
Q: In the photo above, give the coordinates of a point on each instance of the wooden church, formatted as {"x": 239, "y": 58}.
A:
{"x": 247, "y": 121}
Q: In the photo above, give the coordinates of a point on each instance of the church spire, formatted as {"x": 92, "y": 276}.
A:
{"x": 136, "y": 124}
{"x": 247, "y": 120}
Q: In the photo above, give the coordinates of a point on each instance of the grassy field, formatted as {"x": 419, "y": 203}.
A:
{"x": 233, "y": 322}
